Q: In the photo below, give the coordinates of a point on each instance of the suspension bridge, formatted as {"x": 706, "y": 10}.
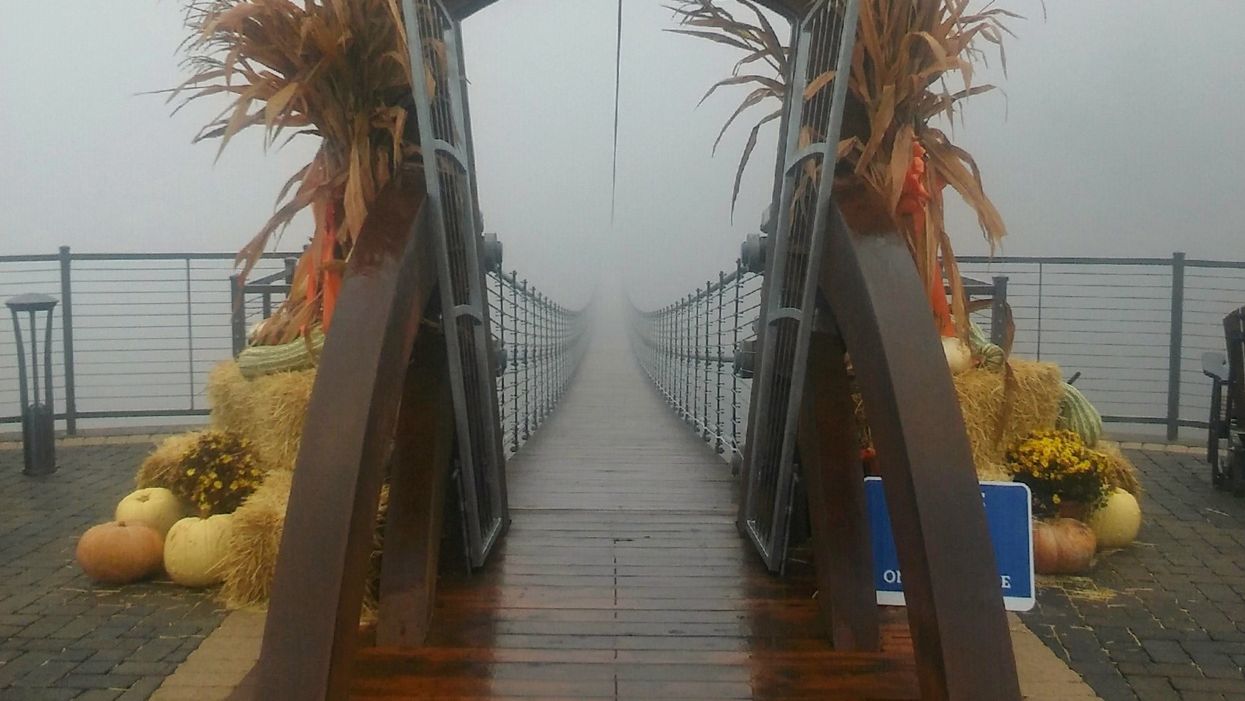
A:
{"x": 615, "y": 555}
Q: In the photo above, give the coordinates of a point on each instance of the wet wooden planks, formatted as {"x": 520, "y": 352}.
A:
{"x": 623, "y": 577}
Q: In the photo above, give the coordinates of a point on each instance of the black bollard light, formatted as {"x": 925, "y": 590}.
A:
{"x": 38, "y": 419}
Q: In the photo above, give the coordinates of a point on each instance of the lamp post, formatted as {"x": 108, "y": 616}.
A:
{"x": 38, "y": 419}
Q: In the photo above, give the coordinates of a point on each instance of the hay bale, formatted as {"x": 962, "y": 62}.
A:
{"x": 1120, "y": 470}
{"x": 1034, "y": 405}
{"x": 268, "y": 410}
{"x": 159, "y": 468}
{"x": 251, "y": 559}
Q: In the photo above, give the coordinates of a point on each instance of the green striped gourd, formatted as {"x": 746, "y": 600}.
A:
{"x": 1076, "y": 414}
{"x": 299, "y": 354}
{"x": 992, "y": 356}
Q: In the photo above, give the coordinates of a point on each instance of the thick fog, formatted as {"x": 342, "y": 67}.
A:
{"x": 1117, "y": 136}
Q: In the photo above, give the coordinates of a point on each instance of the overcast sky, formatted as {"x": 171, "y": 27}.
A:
{"x": 1119, "y": 135}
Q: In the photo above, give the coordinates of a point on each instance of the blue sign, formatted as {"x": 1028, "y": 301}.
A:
{"x": 1010, "y": 519}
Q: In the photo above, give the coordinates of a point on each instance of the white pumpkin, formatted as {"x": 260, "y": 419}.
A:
{"x": 155, "y": 506}
{"x": 1117, "y": 521}
{"x": 959, "y": 356}
{"x": 194, "y": 549}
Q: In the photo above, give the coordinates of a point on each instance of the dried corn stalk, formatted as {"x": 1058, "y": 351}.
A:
{"x": 905, "y": 51}
{"x": 333, "y": 69}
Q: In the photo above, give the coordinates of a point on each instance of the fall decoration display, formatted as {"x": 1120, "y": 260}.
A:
{"x": 1117, "y": 521}
{"x": 268, "y": 410}
{"x": 338, "y": 71}
{"x": 120, "y": 552}
{"x": 997, "y": 418}
{"x": 893, "y": 165}
{"x": 1062, "y": 546}
{"x": 217, "y": 473}
{"x": 161, "y": 467}
{"x": 1059, "y": 470}
{"x": 155, "y": 506}
{"x": 195, "y": 549}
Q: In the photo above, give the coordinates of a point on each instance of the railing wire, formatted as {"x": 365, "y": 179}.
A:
{"x": 688, "y": 349}
{"x": 147, "y": 329}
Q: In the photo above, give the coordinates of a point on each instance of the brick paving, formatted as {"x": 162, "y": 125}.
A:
{"x": 1157, "y": 621}
{"x": 1164, "y": 619}
{"x": 62, "y": 637}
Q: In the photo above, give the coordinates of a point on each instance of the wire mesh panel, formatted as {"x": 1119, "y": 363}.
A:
{"x": 823, "y": 44}
{"x": 440, "y": 105}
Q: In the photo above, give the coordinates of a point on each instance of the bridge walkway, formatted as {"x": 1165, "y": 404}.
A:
{"x": 623, "y": 576}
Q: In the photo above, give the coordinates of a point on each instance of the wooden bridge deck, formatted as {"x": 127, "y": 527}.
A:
{"x": 623, "y": 577}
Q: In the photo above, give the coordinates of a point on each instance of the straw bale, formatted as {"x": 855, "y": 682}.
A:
{"x": 1034, "y": 406}
{"x": 158, "y": 469}
{"x": 268, "y": 410}
{"x": 251, "y": 559}
{"x": 1120, "y": 470}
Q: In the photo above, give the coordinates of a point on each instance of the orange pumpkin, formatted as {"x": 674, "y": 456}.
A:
{"x": 1063, "y": 546}
{"x": 120, "y": 552}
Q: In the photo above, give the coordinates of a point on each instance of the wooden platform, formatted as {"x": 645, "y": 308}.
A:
{"x": 624, "y": 577}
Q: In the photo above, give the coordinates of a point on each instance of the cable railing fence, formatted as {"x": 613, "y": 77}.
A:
{"x": 135, "y": 336}
{"x": 1132, "y": 329}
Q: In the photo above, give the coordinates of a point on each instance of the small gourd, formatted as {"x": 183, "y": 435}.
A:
{"x": 155, "y": 506}
{"x": 1063, "y": 546}
{"x": 195, "y": 548}
{"x": 1117, "y": 521}
{"x": 119, "y": 552}
{"x": 959, "y": 356}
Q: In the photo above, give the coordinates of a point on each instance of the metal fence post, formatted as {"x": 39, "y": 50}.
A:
{"x": 190, "y": 340}
{"x": 71, "y": 401}
{"x": 237, "y": 315}
{"x": 997, "y": 305}
{"x": 1041, "y": 271}
{"x": 1177, "y": 344}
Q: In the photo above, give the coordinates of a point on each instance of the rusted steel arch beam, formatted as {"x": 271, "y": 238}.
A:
{"x": 313, "y": 617}
{"x": 955, "y": 610}
{"x": 790, "y": 9}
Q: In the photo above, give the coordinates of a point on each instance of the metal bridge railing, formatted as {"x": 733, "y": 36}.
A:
{"x": 540, "y": 344}
{"x": 136, "y": 335}
{"x": 689, "y": 350}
